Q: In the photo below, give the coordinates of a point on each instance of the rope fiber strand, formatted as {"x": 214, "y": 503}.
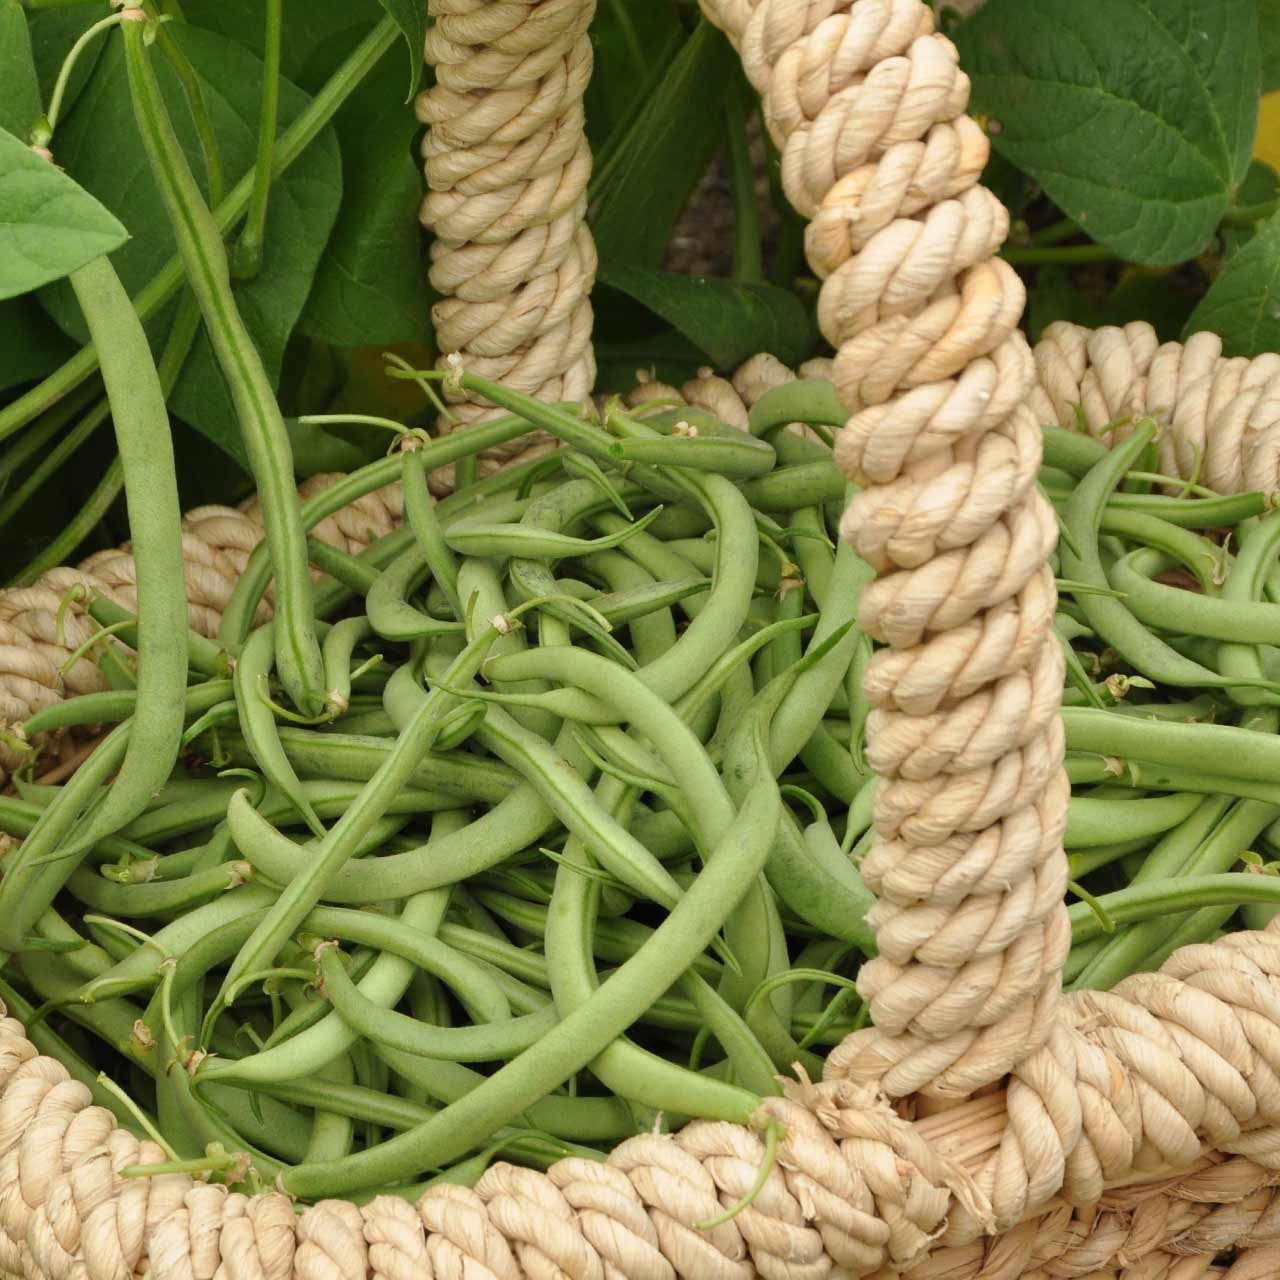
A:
{"x": 987, "y": 1127}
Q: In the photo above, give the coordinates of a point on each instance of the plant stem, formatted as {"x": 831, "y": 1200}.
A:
{"x": 69, "y": 62}
{"x": 246, "y": 261}
{"x": 1055, "y": 233}
{"x": 1063, "y": 254}
{"x": 748, "y": 264}
{"x": 52, "y": 460}
{"x": 1247, "y": 214}
{"x": 290, "y": 145}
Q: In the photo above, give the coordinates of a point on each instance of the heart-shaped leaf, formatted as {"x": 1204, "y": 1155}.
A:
{"x": 1243, "y": 304}
{"x": 49, "y": 225}
{"x": 1136, "y": 116}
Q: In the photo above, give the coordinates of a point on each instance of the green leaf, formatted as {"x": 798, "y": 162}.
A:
{"x": 309, "y": 30}
{"x": 1243, "y": 304}
{"x": 411, "y": 17}
{"x": 49, "y": 226}
{"x": 31, "y": 345}
{"x": 304, "y": 203}
{"x": 1269, "y": 33}
{"x": 664, "y": 154}
{"x": 19, "y": 88}
{"x": 727, "y": 320}
{"x": 315, "y": 450}
{"x": 630, "y": 44}
{"x": 53, "y": 32}
{"x": 1136, "y": 116}
{"x": 371, "y": 285}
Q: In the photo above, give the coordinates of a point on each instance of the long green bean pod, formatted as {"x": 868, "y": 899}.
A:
{"x": 266, "y": 441}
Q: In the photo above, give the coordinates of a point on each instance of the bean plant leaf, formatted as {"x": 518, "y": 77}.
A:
{"x": 304, "y": 202}
{"x": 1269, "y": 43}
{"x": 371, "y": 284}
{"x": 645, "y": 180}
{"x": 630, "y": 44}
{"x": 309, "y": 30}
{"x": 1136, "y": 116}
{"x": 49, "y": 225}
{"x": 31, "y": 345}
{"x": 1243, "y": 304}
{"x": 19, "y": 87}
{"x": 724, "y": 318}
{"x": 411, "y": 17}
{"x": 53, "y": 32}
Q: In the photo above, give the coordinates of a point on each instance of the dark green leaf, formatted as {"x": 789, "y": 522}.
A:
{"x": 628, "y": 43}
{"x": 1136, "y": 116}
{"x": 310, "y": 27}
{"x": 665, "y": 153}
{"x": 727, "y": 320}
{"x": 1243, "y": 304}
{"x": 31, "y": 345}
{"x": 411, "y": 17}
{"x": 1269, "y": 34}
{"x": 49, "y": 225}
{"x": 53, "y": 32}
{"x": 19, "y": 88}
{"x": 371, "y": 284}
{"x": 303, "y": 205}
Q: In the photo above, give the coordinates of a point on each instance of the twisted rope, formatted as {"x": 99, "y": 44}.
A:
{"x": 507, "y": 165}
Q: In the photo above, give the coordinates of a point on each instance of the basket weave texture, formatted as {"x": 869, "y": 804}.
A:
{"x": 986, "y": 1126}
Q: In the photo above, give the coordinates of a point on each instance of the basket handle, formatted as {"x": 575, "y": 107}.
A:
{"x": 965, "y": 734}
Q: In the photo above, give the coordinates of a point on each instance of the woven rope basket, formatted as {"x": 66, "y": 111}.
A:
{"x": 986, "y": 1126}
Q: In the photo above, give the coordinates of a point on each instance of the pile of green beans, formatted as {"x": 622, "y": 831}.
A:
{"x": 573, "y": 847}
{"x": 539, "y": 823}
{"x": 574, "y": 844}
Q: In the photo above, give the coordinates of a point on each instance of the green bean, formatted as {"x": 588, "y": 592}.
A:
{"x": 1095, "y": 822}
{"x": 809, "y": 400}
{"x": 586, "y": 1119}
{"x": 258, "y": 723}
{"x": 1203, "y": 558}
{"x": 113, "y": 705}
{"x": 266, "y": 441}
{"x": 803, "y": 484}
{"x": 1109, "y": 617}
{"x": 588, "y": 1029}
{"x": 420, "y": 512}
{"x": 337, "y": 846}
{"x": 1185, "y": 893}
{"x": 571, "y": 801}
{"x": 203, "y": 655}
{"x": 1242, "y": 594}
{"x": 475, "y": 539}
{"x": 388, "y": 607}
{"x": 740, "y": 457}
{"x": 482, "y": 1043}
{"x": 1175, "y": 609}
{"x": 1202, "y": 846}
{"x": 146, "y": 452}
{"x": 40, "y": 866}
{"x": 159, "y": 897}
